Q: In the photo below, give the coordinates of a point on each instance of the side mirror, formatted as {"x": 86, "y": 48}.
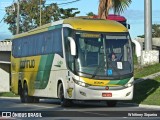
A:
{"x": 138, "y": 48}
{"x": 128, "y": 26}
{"x": 72, "y": 46}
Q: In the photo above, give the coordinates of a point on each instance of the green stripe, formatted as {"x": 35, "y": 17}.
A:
{"x": 124, "y": 81}
{"x": 44, "y": 71}
{"x": 119, "y": 82}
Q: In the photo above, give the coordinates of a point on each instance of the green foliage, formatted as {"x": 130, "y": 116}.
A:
{"x": 68, "y": 12}
{"x": 90, "y": 14}
{"x": 141, "y": 72}
{"x": 155, "y": 31}
{"x": 141, "y": 36}
{"x": 7, "y": 94}
{"x": 120, "y": 5}
{"x": 30, "y": 15}
{"x": 147, "y": 92}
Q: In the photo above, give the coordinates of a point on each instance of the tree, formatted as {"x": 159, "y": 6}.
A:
{"x": 30, "y": 15}
{"x": 155, "y": 31}
{"x": 68, "y": 12}
{"x": 90, "y": 14}
{"x": 118, "y": 7}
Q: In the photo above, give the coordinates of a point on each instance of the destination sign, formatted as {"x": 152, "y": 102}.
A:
{"x": 88, "y": 35}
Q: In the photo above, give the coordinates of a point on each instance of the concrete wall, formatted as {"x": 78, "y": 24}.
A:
{"x": 5, "y": 45}
{"x": 152, "y": 56}
{"x": 155, "y": 41}
{"x": 4, "y": 78}
{"x": 5, "y": 55}
{"x": 149, "y": 57}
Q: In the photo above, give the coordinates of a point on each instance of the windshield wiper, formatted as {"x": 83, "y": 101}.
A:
{"x": 95, "y": 72}
{"x": 97, "y": 69}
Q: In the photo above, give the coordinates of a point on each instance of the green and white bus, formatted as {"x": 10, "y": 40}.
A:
{"x": 70, "y": 60}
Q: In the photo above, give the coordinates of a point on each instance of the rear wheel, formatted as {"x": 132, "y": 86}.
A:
{"x": 64, "y": 102}
{"x": 35, "y": 99}
{"x": 24, "y": 95}
{"x": 20, "y": 92}
{"x": 111, "y": 103}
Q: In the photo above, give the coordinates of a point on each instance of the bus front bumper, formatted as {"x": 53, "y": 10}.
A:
{"x": 84, "y": 93}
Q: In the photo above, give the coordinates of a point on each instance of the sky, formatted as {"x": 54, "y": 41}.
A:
{"x": 134, "y": 14}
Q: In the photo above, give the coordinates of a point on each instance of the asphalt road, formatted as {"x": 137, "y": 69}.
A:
{"x": 51, "y": 109}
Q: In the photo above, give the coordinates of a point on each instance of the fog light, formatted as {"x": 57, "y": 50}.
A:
{"x": 82, "y": 93}
{"x": 128, "y": 93}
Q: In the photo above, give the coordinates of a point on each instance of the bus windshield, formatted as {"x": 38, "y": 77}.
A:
{"x": 103, "y": 55}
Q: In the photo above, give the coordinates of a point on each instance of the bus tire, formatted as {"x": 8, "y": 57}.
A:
{"x": 111, "y": 103}
{"x": 64, "y": 102}
{"x": 20, "y": 92}
{"x": 35, "y": 99}
{"x": 26, "y": 98}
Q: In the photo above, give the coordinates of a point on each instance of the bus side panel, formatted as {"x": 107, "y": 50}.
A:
{"x": 41, "y": 73}
{"x": 44, "y": 70}
{"x": 24, "y": 69}
{"x": 57, "y": 73}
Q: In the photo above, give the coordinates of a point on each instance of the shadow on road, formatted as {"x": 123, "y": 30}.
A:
{"x": 86, "y": 104}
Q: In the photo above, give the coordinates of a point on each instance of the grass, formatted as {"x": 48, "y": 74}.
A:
{"x": 135, "y": 59}
{"x": 141, "y": 72}
{"x": 7, "y": 94}
{"x": 148, "y": 91}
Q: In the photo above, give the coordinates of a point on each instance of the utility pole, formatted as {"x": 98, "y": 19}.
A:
{"x": 148, "y": 24}
{"x": 149, "y": 56}
{"x": 17, "y": 19}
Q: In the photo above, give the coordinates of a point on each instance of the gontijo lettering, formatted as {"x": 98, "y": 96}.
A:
{"x": 27, "y": 64}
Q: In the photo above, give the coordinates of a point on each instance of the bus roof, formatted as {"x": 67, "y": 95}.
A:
{"x": 40, "y": 29}
{"x": 84, "y": 24}
{"x": 97, "y": 25}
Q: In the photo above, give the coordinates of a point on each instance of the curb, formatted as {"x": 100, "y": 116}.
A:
{"x": 149, "y": 106}
{"x": 9, "y": 97}
{"x": 142, "y": 105}
{"x": 152, "y": 76}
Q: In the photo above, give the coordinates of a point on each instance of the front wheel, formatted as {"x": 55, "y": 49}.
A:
{"x": 64, "y": 102}
{"x": 111, "y": 103}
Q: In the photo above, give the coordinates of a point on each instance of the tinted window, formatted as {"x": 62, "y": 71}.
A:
{"x": 49, "y": 42}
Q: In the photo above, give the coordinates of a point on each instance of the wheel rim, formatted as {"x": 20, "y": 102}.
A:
{"x": 61, "y": 94}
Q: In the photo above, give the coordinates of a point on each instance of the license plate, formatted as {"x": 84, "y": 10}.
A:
{"x": 106, "y": 94}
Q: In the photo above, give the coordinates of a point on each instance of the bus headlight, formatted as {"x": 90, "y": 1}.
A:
{"x": 129, "y": 84}
{"x": 83, "y": 84}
